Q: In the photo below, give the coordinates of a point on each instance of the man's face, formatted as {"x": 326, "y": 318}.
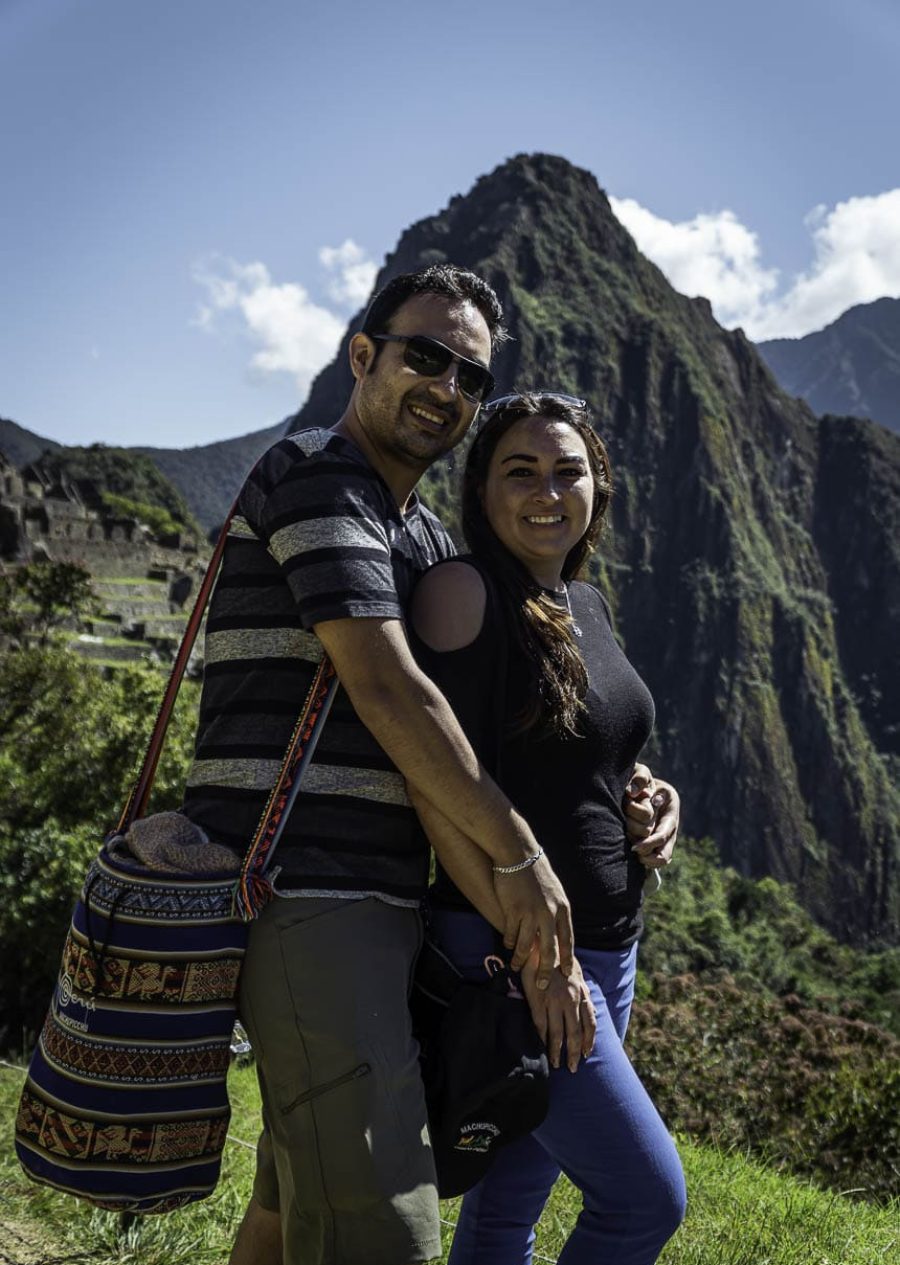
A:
{"x": 410, "y": 418}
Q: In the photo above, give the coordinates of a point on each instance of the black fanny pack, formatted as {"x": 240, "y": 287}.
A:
{"x": 484, "y": 1066}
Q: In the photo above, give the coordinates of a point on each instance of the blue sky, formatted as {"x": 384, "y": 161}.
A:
{"x": 173, "y": 173}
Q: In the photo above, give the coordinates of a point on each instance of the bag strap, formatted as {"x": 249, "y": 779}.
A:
{"x": 136, "y": 805}
{"x": 252, "y": 890}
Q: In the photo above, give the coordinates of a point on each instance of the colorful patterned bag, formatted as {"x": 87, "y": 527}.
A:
{"x": 125, "y": 1102}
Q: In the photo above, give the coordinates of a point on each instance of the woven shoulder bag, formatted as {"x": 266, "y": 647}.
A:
{"x": 125, "y": 1102}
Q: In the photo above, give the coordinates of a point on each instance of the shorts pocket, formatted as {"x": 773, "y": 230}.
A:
{"x": 363, "y": 1069}
{"x": 368, "y": 1149}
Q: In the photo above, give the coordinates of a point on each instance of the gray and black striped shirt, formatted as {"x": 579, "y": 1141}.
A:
{"x": 318, "y": 536}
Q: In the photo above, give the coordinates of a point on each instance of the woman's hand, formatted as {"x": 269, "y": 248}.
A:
{"x": 562, "y": 1012}
{"x": 652, "y": 812}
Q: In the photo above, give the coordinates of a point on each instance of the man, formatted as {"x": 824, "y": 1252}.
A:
{"x": 323, "y": 556}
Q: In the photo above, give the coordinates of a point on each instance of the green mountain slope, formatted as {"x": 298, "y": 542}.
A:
{"x": 733, "y": 592}
{"x": 21, "y": 446}
{"x": 209, "y": 476}
{"x": 126, "y": 475}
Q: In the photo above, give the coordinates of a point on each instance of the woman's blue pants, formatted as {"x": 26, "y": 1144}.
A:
{"x": 602, "y": 1131}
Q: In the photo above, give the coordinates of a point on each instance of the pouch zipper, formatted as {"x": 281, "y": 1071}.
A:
{"x": 363, "y": 1069}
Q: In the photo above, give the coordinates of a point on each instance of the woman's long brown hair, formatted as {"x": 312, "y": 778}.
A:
{"x": 540, "y": 629}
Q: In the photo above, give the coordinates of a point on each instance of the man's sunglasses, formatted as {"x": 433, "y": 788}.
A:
{"x": 504, "y": 401}
{"x": 431, "y": 359}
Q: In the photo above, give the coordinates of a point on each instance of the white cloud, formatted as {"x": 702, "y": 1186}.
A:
{"x": 353, "y": 275}
{"x": 856, "y": 258}
{"x": 712, "y": 255}
{"x": 293, "y": 334}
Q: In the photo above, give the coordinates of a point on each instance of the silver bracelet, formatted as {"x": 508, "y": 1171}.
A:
{"x": 519, "y": 865}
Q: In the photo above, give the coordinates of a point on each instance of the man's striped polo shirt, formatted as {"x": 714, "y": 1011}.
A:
{"x": 318, "y": 536}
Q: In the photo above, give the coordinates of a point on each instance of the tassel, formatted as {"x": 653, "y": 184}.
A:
{"x": 251, "y": 895}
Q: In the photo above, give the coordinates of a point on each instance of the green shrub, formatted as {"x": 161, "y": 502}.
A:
{"x": 124, "y": 473}
{"x": 812, "y": 1090}
{"x": 73, "y": 740}
{"x": 160, "y": 521}
{"x": 709, "y": 920}
{"x": 41, "y": 871}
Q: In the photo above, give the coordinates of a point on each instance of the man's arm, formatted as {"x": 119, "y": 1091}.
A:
{"x": 410, "y": 718}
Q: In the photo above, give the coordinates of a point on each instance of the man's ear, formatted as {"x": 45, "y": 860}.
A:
{"x": 362, "y": 355}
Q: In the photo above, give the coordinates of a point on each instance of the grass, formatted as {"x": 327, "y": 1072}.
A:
{"x": 740, "y": 1212}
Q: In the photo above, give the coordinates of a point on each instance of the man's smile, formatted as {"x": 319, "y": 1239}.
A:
{"x": 433, "y": 418}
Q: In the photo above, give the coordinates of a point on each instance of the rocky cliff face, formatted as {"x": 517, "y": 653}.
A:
{"x": 851, "y": 367}
{"x": 753, "y": 557}
{"x": 856, "y": 527}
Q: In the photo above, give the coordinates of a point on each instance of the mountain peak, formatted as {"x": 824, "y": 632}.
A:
{"x": 529, "y": 195}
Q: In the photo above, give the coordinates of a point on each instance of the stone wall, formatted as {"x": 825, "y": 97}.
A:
{"x": 43, "y": 518}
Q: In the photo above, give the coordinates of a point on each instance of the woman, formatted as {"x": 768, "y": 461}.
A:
{"x": 527, "y": 656}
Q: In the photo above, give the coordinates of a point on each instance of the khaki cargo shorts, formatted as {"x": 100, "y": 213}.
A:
{"x": 344, "y": 1153}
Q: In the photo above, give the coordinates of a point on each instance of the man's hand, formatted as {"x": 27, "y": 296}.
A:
{"x": 652, "y": 813}
{"x": 561, "y": 1013}
{"x": 536, "y": 914}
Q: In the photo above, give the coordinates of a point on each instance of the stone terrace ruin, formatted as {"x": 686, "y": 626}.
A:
{"x": 144, "y": 581}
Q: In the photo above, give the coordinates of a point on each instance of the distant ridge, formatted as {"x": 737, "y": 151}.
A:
{"x": 22, "y": 446}
{"x": 851, "y": 367}
{"x": 207, "y": 476}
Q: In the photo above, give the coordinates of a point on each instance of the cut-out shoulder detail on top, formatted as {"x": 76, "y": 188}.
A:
{"x": 447, "y": 608}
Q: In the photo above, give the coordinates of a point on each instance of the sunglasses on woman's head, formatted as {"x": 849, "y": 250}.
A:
{"x": 504, "y": 401}
{"x": 430, "y": 358}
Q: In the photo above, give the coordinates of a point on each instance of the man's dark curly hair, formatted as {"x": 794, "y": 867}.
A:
{"x": 443, "y": 279}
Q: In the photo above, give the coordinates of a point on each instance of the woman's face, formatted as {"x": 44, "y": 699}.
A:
{"x": 539, "y": 494}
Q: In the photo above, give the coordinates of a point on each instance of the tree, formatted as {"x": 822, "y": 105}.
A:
{"x": 72, "y": 742}
{"x": 40, "y": 596}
